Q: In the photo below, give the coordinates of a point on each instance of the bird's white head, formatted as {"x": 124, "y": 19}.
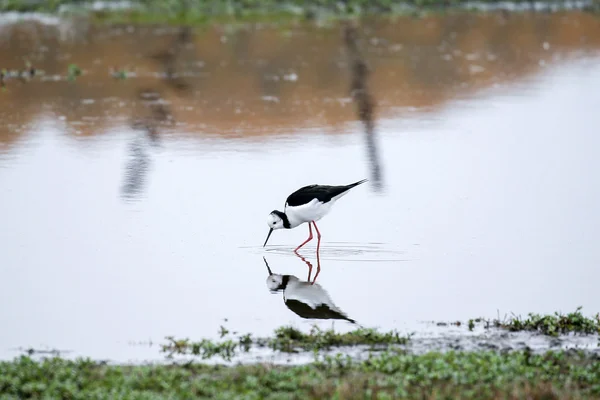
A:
{"x": 276, "y": 220}
{"x": 275, "y": 282}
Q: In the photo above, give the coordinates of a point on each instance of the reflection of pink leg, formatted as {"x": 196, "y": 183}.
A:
{"x": 310, "y": 236}
{"x": 308, "y": 264}
{"x": 318, "y": 264}
{"x": 318, "y": 237}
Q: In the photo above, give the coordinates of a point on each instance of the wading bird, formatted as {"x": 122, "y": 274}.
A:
{"x": 307, "y": 300}
{"x": 307, "y": 204}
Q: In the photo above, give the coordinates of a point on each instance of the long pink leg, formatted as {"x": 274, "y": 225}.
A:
{"x": 310, "y": 236}
{"x": 318, "y": 237}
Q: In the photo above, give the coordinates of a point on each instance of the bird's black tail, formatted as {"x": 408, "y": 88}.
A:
{"x": 350, "y": 186}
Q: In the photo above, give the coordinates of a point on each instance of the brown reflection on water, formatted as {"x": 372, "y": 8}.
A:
{"x": 260, "y": 80}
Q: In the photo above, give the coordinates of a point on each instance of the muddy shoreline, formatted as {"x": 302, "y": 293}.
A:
{"x": 289, "y": 345}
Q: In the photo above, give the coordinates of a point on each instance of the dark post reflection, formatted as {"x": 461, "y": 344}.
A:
{"x": 155, "y": 113}
{"x": 169, "y": 57}
{"x": 364, "y": 101}
{"x": 135, "y": 170}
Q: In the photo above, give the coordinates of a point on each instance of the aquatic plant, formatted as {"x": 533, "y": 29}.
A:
{"x": 551, "y": 324}
{"x": 24, "y": 75}
{"x": 290, "y": 339}
{"x": 120, "y": 73}
{"x": 73, "y": 72}
{"x": 2, "y": 80}
{"x": 555, "y": 324}
{"x": 285, "y": 339}
{"x": 471, "y": 324}
{"x": 205, "y": 348}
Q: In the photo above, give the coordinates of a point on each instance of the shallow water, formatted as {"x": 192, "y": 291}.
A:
{"x": 125, "y": 220}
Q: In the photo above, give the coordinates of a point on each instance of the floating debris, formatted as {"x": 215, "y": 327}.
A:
{"x": 272, "y": 99}
{"x": 121, "y": 73}
{"x": 292, "y": 77}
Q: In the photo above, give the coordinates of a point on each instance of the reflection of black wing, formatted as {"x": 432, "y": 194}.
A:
{"x": 323, "y": 193}
{"x": 321, "y": 312}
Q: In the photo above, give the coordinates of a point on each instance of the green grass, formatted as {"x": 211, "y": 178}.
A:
{"x": 285, "y": 339}
{"x": 291, "y": 340}
{"x": 388, "y": 372}
{"x": 551, "y": 325}
{"x": 201, "y": 11}
{"x": 384, "y": 375}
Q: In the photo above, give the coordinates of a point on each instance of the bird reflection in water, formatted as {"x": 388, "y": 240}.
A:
{"x": 306, "y": 299}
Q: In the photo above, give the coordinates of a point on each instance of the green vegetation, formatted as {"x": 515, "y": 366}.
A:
{"x": 285, "y": 339}
{"x": 120, "y": 73}
{"x": 3, "y": 74}
{"x": 24, "y": 75}
{"x": 196, "y": 11}
{"x": 556, "y": 324}
{"x": 551, "y": 325}
{"x": 290, "y": 340}
{"x": 228, "y": 7}
{"x": 73, "y": 72}
{"x": 384, "y": 375}
{"x": 387, "y": 372}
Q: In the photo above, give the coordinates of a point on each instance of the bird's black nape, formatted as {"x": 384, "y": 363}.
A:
{"x": 286, "y": 221}
{"x": 284, "y": 278}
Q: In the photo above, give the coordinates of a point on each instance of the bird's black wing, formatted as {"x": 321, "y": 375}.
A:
{"x": 323, "y": 193}
{"x": 321, "y": 312}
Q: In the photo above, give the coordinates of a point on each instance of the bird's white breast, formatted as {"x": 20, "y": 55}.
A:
{"x": 312, "y": 295}
{"x": 313, "y": 211}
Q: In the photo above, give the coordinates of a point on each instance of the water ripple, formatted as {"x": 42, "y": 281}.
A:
{"x": 342, "y": 251}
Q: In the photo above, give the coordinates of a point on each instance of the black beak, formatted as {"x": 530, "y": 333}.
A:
{"x": 270, "y": 231}
{"x": 267, "y": 264}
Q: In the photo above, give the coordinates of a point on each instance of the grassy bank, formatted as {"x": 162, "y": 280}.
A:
{"x": 388, "y": 372}
{"x": 220, "y": 7}
{"x": 550, "y": 324}
{"x": 291, "y": 340}
{"x": 196, "y": 11}
{"x": 562, "y": 375}
{"x": 553, "y": 324}
{"x": 285, "y": 339}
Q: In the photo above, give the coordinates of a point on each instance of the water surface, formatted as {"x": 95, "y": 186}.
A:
{"x": 135, "y": 209}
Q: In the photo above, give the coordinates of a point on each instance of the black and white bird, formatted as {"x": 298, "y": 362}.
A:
{"x": 307, "y": 204}
{"x": 307, "y": 300}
